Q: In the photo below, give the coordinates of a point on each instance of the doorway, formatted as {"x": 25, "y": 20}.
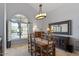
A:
{"x": 17, "y": 36}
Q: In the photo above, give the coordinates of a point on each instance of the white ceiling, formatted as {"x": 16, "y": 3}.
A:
{"x": 46, "y": 6}
{"x": 29, "y": 9}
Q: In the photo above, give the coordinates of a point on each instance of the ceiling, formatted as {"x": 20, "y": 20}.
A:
{"x": 33, "y": 8}
{"x": 46, "y": 6}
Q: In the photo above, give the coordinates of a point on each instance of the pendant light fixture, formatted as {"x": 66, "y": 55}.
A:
{"x": 41, "y": 15}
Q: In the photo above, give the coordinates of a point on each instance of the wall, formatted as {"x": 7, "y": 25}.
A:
{"x": 67, "y": 12}
{"x": 2, "y": 20}
{"x": 19, "y": 8}
{"x": 25, "y": 9}
{"x": 13, "y": 9}
{"x": 2, "y": 24}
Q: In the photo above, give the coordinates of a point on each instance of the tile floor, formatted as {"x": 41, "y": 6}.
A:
{"x": 17, "y": 51}
{"x": 22, "y": 50}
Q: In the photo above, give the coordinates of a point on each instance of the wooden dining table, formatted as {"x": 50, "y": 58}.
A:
{"x": 42, "y": 43}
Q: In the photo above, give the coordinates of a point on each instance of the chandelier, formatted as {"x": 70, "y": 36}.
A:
{"x": 41, "y": 15}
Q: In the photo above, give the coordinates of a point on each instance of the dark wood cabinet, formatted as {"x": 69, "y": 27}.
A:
{"x": 62, "y": 42}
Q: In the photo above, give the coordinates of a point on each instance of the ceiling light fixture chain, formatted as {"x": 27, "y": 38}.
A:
{"x": 40, "y": 8}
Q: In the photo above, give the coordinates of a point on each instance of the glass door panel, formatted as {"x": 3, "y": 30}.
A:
{"x": 14, "y": 31}
{"x": 24, "y": 34}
